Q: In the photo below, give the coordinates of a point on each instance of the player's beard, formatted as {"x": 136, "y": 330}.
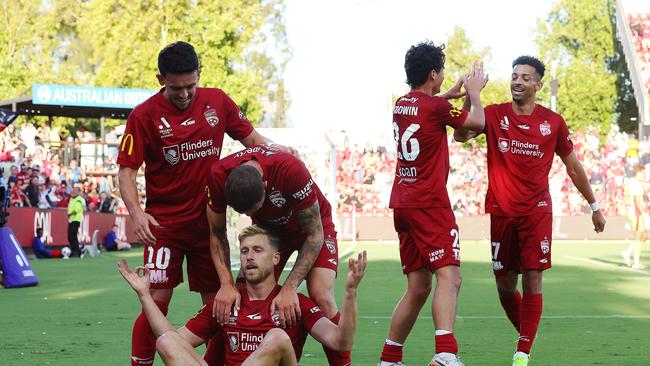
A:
{"x": 255, "y": 277}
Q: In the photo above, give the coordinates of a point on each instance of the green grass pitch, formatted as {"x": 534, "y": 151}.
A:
{"x": 596, "y": 312}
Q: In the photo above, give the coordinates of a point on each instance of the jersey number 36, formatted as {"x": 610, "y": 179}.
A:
{"x": 403, "y": 151}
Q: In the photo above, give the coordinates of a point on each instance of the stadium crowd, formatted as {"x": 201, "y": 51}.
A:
{"x": 37, "y": 175}
{"x": 365, "y": 174}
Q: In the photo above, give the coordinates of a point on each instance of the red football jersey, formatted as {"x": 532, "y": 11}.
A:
{"x": 419, "y": 128}
{"x": 289, "y": 189}
{"x": 520, "y": 155}
{"x": 178, "y": 148}
{"x": 246, "y": 329}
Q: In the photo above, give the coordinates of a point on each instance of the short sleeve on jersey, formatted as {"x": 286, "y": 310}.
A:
{"x": 131, "y": 154}
{"x": 237, "y": 126}
{"x": 448, "y": 114}
{"x": 203, "y": 325}
{"x": 310, "y": 312}
{"x": 214, "y": 190}
{"x": 299, "y": 183}
{"x": 564, "y": 145}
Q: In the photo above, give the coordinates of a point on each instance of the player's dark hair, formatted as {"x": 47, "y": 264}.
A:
{"x": 534, "y": 62}
{"x": 244, "y": 188}
{"x": 39, "y": 230}
{"x": 420, "y": 60}
{"x": 178, "y": 58}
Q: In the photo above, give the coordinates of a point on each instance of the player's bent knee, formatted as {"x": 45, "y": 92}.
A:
{"x": 168, "y": 343}
{"x": 277, "y": 337}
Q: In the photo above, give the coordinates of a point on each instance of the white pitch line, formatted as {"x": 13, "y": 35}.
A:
{"x": 587, "y": 260}
{"x": 489, "y": 317}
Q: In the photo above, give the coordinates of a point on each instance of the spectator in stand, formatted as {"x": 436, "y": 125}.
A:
{"x": 40, "y": 247}
{"x": 75, "y": 172}
{"x": 113, "y": 243}
{"x": 13, "y": 172}
{"x": 106, "y": 203}
{"x": 17, "y": 197}
{"x": 32, "y": 192}
{"x": 75, "y": 215}
{"x": 22, "y": 178}
{"x": 43, "y": 201}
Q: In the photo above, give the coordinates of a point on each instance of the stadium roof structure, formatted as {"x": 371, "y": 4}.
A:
{"x": 77, "y": 101}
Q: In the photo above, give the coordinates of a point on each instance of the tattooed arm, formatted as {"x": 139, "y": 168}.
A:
{"x": 287, "y": 300}
{"x": 227, "y": 296}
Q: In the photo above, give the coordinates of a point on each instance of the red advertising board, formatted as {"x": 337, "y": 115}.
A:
{"x": 25, "y": 221}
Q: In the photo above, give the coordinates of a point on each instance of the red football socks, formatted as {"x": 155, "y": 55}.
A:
{"x": 336, "y": 358}
{"x": 512, "y": 306}
{"x": 143, "y": 341}
{"x": 446, "y": 343}
{"x": 391, "y": 353}
{"x": 531, "y": 313}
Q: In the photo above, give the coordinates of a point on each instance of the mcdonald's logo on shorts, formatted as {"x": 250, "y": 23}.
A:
{"x": 127, "y": 138}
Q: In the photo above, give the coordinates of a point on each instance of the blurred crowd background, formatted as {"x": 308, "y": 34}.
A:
{"x": 40, "y": 170}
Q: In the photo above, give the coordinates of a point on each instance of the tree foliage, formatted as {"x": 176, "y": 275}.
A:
{"x": 114, "y": 43}
{"x": 578, "y": 43}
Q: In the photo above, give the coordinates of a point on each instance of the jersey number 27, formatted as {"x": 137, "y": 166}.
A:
{"x": 403, "y": 151}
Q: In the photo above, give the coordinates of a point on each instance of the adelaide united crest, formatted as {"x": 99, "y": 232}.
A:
{"x": 545, "y": 128}
{"x": 211, "y": 116}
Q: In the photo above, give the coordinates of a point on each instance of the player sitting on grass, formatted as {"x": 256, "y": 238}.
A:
{"x": 252, "y": 334}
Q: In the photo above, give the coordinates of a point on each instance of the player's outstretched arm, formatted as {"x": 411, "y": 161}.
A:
{"x": 287, "y": 300}
{"x": 140, "y": 284}
{"x": 474, "y": 82}
{"x": 341, "y": 337}
{"x": 227, "y": 296}
{"x": 579, "y": 178}
{"x": 129, "y": 193}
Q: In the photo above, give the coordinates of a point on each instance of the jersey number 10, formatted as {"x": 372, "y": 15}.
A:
{"x": 403, "y": 151}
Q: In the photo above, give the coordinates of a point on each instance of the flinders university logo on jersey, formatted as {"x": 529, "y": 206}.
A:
{"x": 211, "y": 116}
{"x": 545, "y": 128}
{"x": 277, "y": 199}
{"x": 233, "y": 340}
{"x": 504, "y": 144}
{"x": 172, "y": 154}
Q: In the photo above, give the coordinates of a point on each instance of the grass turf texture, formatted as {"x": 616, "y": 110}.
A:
{"x": 596, "y": 312}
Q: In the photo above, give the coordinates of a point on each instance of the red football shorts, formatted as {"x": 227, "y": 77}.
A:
{"x": 165, "y": 260}
{"x": 428, "y": 238}
{"x": 521, "y": 242}
{"x": 329, "y": 252}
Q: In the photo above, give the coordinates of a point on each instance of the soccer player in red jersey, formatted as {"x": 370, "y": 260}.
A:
{"x": 276, "y": 190}
{"x": 522, "y": 137}
{"x": 177, "y": 134}
{"x": 429, "y": 240}
{"x": 251, "y": 334}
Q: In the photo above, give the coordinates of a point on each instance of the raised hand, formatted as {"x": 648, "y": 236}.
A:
{"x": 138, "y": 279}
{"x": 356, "y": 270}
{"x": 476, "y": 79}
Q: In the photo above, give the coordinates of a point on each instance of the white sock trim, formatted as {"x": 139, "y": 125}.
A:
{"x": 519, "y": 353}
{"x": 393, "y": 343}
{"x": 440, "y": 332}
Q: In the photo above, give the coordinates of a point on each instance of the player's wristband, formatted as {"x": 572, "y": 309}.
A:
{"x": 595, "y": 207}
